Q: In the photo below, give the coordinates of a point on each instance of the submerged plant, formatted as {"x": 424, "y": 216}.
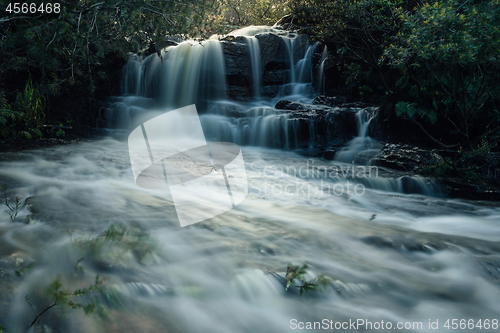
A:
{"x": 59, "y": 296}
{"x": 14, "y": 210}
{"x": 120, "y": 240}
{"x": 295, "y": 272}
{"x": 2, "y": 329}
{"x": 24, "y": 270}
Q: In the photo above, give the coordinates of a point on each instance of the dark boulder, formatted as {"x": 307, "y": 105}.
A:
{"x": 406, "y": 157}
{"x": 329, "y": 155}
{"x": 325, "y": 126}
{"x": 238, "y": 69}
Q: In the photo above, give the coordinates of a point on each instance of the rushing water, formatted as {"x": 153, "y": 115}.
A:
{"x": 388, "y": 256}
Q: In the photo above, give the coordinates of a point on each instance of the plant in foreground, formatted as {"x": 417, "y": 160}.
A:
{"x": 14, "y": 210}
{"x": 63, "y": 297}
{"x": 2, "y": 329}
{"x": 295, "y": 272}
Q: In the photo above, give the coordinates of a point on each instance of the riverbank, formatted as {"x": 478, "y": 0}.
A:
{"x": 25, "y": 144}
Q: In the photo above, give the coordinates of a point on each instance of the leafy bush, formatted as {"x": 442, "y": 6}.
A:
{"x": 60, "y": 296}
{"x": 295, "y": 272}
{"x": 447, "y": 53}
{"x": 25, "y": 117}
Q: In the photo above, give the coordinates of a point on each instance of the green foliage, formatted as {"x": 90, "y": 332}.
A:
{"x": 24, "y": 270}
{"x": 31, "y": 104}
{"x": 412, "y": 110}
{"x": 60, "y": 132}
{"x": 7, "y": 116}
{"x": 295, "y": 272}
{"x": 480, "y": 163}
{"x": 61, "y": 296}
{"x": 438, "y": 60}
{"x": 121, "y": 243}
{"x": 240, "y": 13}
{"x": 360, "y": 29}
{"x": 440, "y": 169}
{"x": 25, "y": 117}
{"x": 447, "y": 53}
{"x": 77, "y": 48}
{"x": 13, "y": 207}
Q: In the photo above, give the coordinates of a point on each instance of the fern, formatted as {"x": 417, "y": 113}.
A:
{"x": 411, "y": 110}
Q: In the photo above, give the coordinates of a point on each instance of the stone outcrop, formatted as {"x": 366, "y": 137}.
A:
{"x": 274, "y": 60}
{"x": 327, "y": 127}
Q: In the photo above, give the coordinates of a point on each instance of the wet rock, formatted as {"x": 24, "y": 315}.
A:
{"x": 285, "y": 22}
{"x": 330, "y": 101}
{"x": 239, "y": 93}
{"x": 270, "y": 91}
{"x": 275, "y": 76}
{"x": 329, "y": 155}
{"x": 273, "y": 51}
{"x": 406, "y": 157}
{"x": 320, "y": 126}
{"x": 414, "y": 159}
{"x": 289, "y": 105}
{"x": 238, "y": 67}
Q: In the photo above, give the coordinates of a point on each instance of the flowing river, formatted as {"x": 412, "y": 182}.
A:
{"x": 409, "y": 260}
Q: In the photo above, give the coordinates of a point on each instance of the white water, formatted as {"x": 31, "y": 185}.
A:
{"x": 213, "y": 276}
{"x": 421, "y": 258}
{"x": 253, "y": 46}
{"x": 321, "y": 71}
{"x": 361, "y": 149}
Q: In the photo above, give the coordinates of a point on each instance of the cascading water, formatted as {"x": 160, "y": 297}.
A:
{"x": 387, "y": 258}
{"x": 253, "y": 46}
{"x": 190, "y": 73}
{"x": 185, "y": 74}
{"x": 359, "y": 150}
{"x": 194, "y": 73}
{"x": 362, "y": 149}
{"x": 321, "y": 71}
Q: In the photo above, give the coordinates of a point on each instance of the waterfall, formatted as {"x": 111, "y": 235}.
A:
{"x": 289, "y": 43}
{"x": 185, "y": 74}
{"x": 259, "y": 126}
{"x": 253, "y": 47}
{"x": 191, "y": 72}
{"x": 362, "y": 149}
{"x": 321, "y": 74}
{"x": 359, "y": 150}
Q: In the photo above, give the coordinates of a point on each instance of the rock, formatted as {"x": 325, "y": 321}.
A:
{"x": 330, "y": 101}
{"x": 238, "y": 93}
{"x": 238, "y": 69}
{"x": 275, "y": 76}
{"x": 285, "y": 22}
{"x": 273, "y": 52}
{"x": 274, "y": 59}
{"x": 413, "y": 159}
{"x": 288, "y": 105}
{"x": 406, "y": 157}
{"x": 323, "y": 126}
{"x": 329, "y": 155}
{"x": 270, "y": 91}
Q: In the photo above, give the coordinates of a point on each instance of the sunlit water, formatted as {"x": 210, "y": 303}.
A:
{"x": 421, "y": 257}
